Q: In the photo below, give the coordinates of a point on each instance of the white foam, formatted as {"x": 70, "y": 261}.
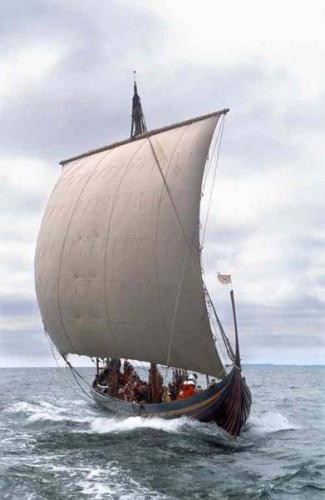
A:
{"x": 115, "y": 482}
{"x": 113, "y": 425}
{"x": 99, "y": 483}
{"x": 22, "y": 406}
{"x": 44, "y": 411}
{"x": 271, "y": 422}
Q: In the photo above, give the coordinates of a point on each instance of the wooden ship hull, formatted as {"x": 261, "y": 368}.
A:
{"x": 226, "y": 403}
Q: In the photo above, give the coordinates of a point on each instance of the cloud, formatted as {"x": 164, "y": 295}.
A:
{"x": 66, "y": 77}
{"x": 78, "y": 91}
{"x": 28, "y": 66}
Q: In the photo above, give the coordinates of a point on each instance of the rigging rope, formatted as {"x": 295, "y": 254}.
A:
{"x": 210, "y": 157}
{"x": 229, "y": 349}
{"x": 172, "y": 328}
{"x": 218, "y": 141}
{"x": 58, "y": 366}
{"x": 185, "y": 257}
{"x": 75, "y": 373}
{"x": 221, "y": 348}
{"x": 183, "y": 231}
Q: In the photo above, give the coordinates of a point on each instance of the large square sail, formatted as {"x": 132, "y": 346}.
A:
{"x": 118, "y": 270}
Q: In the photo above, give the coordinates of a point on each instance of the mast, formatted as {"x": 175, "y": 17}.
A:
{"x": 138, "y": 124}
{"x": 153, "y": 379}
{"x": 237, "y": 355}
{"x": 225, "y": 279}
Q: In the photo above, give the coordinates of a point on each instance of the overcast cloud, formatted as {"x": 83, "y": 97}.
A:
{"x": 66, "y": 86}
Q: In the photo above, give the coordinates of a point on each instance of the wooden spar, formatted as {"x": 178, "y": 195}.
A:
{"x": 142, "y": 136}
{"x": 154, "y": 383}
{"x": 237, "y": 355}
{"x": 97, "y": 366}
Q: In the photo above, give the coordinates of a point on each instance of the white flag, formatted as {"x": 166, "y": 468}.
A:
{"x": 225, "y": 279}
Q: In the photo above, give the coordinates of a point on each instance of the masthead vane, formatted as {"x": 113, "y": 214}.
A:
{"x": 138, "y": 124}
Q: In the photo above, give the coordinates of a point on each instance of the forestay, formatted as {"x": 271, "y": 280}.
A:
{"x": 118, "y": 270}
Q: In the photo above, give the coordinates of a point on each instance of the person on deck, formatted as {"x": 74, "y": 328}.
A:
{"x": 143, "y": 393}
{"x": 172, "y": 391}
{"x": 212, "y": 382}
{"x": 128, "y": 371}
{"x": 187, "y": 388}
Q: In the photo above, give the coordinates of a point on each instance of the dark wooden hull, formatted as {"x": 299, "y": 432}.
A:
{"x": 226, "y": 403}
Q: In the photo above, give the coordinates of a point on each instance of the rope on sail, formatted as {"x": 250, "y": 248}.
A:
{"x": 172, "y": 328}
{"x": 221, "y": 348}
{"x": 183, "y": 232}
{"x": 169, "y": 193}
{"x": 185, "y": 257}
{"x": 171, "y": 331}
{"x": 182, "y": 273}
{"x": 57, "y": 364}
{"x": 107, "y": 234}
{"x": 207, "y": 170}
{"x": 218, "y": 142}
{"x": 76, "y": 374}
{"x": 225, "y": 339}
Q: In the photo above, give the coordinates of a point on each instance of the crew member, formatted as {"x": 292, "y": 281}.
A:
{"x": 187, "y": 388}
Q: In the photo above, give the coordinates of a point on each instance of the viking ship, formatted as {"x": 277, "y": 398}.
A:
{"x": 118, "y": 269}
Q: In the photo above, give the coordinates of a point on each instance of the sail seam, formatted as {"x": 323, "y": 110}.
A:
{"x": 172, "y": 328}
{"x": 156, "y": 238}
{"x": 108, "y": 230}
{"x": 178, "y": 217}
{"x": 168, "y": 192}
{"x": 64, "y": 242}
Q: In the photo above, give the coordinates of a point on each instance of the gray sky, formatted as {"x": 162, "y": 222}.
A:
{"x": 65, "y": 87}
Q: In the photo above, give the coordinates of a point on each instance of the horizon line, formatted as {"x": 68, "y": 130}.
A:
{"x": 91, "y": 366}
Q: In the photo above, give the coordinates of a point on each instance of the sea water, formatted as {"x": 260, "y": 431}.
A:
{"x": 54, "y": 443}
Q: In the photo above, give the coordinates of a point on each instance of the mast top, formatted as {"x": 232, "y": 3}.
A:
{"x": 138, "y": 124}
{"x": 146, "y": 134}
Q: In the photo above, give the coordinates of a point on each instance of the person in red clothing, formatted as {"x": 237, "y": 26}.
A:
{"x": 187, "y": 388}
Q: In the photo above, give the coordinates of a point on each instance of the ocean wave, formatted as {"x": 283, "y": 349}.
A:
{"x": 77, "y": 481}
{"x": 271, "y": 422}
{"x": 183, "y": 425}
{"x": 106, "y": 425}
{"x": 45, "y": 411}
{"x": 112, "y": 481}
{"x": 119, "y": 484}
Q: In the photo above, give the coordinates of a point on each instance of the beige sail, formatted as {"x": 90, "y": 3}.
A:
{"x": 117, "y": 263}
